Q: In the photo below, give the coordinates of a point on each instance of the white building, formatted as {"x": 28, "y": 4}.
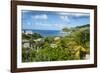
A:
{"x": 28, "y": 32}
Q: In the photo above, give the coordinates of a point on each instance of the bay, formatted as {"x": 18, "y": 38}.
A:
{"x": 45, "y": 33}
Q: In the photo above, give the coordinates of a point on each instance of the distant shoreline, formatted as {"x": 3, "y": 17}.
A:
{"x": 45, "y": 33}
{"x": 41, "y": 29}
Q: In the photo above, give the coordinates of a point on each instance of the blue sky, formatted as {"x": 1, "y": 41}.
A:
{"x": 48, "y": 20}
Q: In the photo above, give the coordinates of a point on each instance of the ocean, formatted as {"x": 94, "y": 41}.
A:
{"x": 46, "y": 33}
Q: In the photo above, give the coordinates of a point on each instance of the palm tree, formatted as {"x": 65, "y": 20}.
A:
{"x": 80, "y": 38}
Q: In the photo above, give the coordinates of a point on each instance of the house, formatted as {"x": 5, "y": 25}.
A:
{"x": 23, "y": 31}
{"x": 28, "y": 32}
{"x": 56, "y": 38}
{"x": 25, "y": 43}
{"x": 53, "y": 45}
{"x": 37, "y": 40}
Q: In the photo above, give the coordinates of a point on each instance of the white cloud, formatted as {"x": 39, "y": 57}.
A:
{"x": 43, "y": 24}
{"x": 41, "y": 16}
{"x": 47, "y": 26}
{"x": 65, "y": 18}
{"x": 63, "y": 13}
{"x": 80, "y": 14}
{"x": 73, "y": 14}
{"x": 59, "y": 26}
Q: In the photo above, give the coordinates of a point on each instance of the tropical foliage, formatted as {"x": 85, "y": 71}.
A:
{"x": 74, "y": 46}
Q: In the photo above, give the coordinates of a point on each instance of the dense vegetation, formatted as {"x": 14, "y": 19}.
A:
{"x": 74, "y": 46}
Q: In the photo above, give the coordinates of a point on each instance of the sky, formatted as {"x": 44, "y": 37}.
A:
{"x": 49, "y": 20}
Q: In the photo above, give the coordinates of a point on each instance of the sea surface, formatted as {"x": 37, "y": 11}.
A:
{"x": 46, "y": 33}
